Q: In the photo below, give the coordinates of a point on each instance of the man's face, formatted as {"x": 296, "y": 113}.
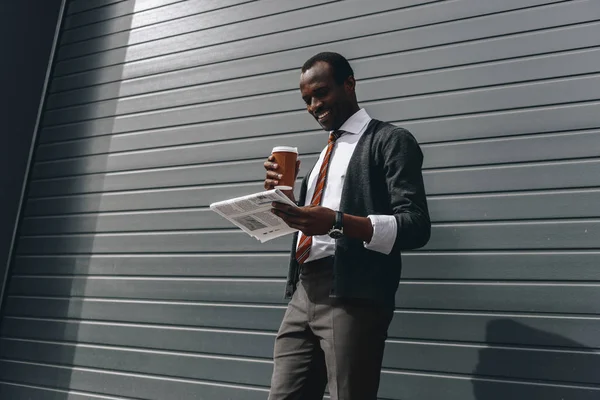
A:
{"x": 331, "y": 104}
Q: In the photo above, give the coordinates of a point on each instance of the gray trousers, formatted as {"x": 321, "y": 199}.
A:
{"x": 326, "y": 340}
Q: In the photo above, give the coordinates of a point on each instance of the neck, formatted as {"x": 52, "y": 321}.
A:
{"x": 352, "y": 111}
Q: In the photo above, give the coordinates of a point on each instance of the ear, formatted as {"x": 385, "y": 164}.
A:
{"x": 350, "y": 84}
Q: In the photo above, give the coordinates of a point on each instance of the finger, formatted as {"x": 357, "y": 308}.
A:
{"x": 299, "y": 222}
{"x": 270, "y": 165}
{"x": 270, "y": 183}
{"x": 297, "y": 211}
{"x": 289, "y": 219}
{"x": 300, "y": 227}
{"x": 285, "y": 208}
{"x": 280, "y": 214}
{"x": 295, "y": 226}
{"x": 287, "y": 211}
{"x": 271, "y": 158}
{"x": 281, "y": 207}
{"x": 273, "y": 175}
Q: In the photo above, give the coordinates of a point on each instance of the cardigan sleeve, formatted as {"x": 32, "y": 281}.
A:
{"x": 402, "y": 163}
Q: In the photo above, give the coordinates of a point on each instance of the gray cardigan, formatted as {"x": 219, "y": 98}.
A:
{"x": 383, "y": 177}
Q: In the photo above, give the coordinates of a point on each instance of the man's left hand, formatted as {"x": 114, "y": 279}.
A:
{"x": 311, "y": 220}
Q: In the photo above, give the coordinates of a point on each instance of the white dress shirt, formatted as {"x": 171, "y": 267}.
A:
{"x": 384, "y": 226}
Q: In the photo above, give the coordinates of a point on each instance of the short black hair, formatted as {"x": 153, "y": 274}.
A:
{"x": 340, "y": 66}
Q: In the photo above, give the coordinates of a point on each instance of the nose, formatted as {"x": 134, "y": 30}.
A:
{"x": 314, "y": 105}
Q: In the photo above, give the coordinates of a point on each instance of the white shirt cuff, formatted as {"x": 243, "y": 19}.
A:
{"x": 385, "y": 229}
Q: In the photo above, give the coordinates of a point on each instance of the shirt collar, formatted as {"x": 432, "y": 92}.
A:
{"x": 357, "y": 122}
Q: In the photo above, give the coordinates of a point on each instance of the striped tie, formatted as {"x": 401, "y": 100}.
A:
{"x": 303, "y": 250}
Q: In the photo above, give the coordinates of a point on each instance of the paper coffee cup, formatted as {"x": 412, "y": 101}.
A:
{"x": 285, "y": 157}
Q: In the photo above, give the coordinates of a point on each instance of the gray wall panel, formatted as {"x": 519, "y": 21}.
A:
{"x": 170, "y": 11}
{"x": 110, "y": 10}
{"x": 428, "y": 386}
{"x": 181, "y": 155}
{"x": 152, "y": 312}
{"x": 514, "y": 177}
{"x": 575, "y": 297}
{"x": 198, "y": 133}
{"x": 461, "y": 359}
{"x": 449, "y": 295}
{"x": 547, "y": 331}
{"x": 170, "y": 242}
{"x": 462, "y": 209}
{"x": 77, "y": 6}
{"x": 206, "y": 174}
{"x": 492, "y": 265}
{"x": 392, "y": 384}
{"x": 470, "y": 327}
{"x": 115, "y": 383}
{"x": 219, "y": 265}
{"x": 452, "y": 327}
{"x": 508, "y": 265}
{"x": 169, "y": 364}
{"x": 20, "y": 391}
{"x": 143, "y": 221}
{"x": 578, "y": 298}
{"x": 237, "y": 290}
{"x": 140, "y": 200}
{"x": 476, "y": 236}
{"x": 561, "y": 117}
{"x": 436, "y": 129}
{"x": 488, "y": 26}
{"x": 566, "y": 174}
{"x": 558, "y": 365}
{"x": 513, "y": 45}
{"x": 481, "y": 75}
{"x": 549, "y": 92}
{"x": 193, "y": 321}
{"x": 545, "y": 204}
{"x": 338, "y": 21}
{"x": 569, "y": 234}
{"x": 515, "y": 206}
{"x": 190, "y": 24}
{"x": 570, "y": 145}
{"x": 208, "y": 341}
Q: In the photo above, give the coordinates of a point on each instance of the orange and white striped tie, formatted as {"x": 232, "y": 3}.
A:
{"x": 303, "y": 250}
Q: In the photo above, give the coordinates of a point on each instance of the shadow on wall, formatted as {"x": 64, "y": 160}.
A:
{"x": 566, "y": 360}
{"x": 54, "y": 258}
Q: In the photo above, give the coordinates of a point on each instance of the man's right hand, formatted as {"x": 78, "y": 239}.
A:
{"x": 273, "y": 176}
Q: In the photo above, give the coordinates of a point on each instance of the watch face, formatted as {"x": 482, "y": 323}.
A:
{"x": 336, "y": 234}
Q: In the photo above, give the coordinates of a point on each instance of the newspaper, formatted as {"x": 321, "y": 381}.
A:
{"x": 252, "y": 214}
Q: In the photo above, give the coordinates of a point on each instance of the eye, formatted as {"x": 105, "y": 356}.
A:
{"x": 321, "y": 92}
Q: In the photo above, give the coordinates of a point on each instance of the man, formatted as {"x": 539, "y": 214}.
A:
{"x": 362, "y": 203}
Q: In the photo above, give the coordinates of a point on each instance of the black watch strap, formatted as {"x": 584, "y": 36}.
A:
{"x": 339, "y": 220}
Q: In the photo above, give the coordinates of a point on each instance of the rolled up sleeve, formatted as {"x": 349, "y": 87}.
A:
{"x": 385, "y": 229}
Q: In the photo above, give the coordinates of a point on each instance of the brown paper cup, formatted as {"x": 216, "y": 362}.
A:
{"x": 286, "y": 157}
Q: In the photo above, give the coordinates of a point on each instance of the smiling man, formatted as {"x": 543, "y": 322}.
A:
{"x": 362, "y": 203}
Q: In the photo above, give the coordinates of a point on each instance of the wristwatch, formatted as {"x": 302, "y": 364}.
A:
{"x": 337, "y": 231}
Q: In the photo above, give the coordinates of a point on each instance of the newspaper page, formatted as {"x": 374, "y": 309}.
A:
{"x": 252, "y": 214}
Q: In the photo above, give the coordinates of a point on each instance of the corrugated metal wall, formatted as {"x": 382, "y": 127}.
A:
{"x": 125, "y": 285}
{"x": 25, "y": 55}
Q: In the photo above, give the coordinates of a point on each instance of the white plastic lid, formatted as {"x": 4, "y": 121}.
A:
{"x": 285, "y": 149}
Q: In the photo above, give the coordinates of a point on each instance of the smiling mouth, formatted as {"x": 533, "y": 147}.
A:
{"x": 323, "y": 116}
